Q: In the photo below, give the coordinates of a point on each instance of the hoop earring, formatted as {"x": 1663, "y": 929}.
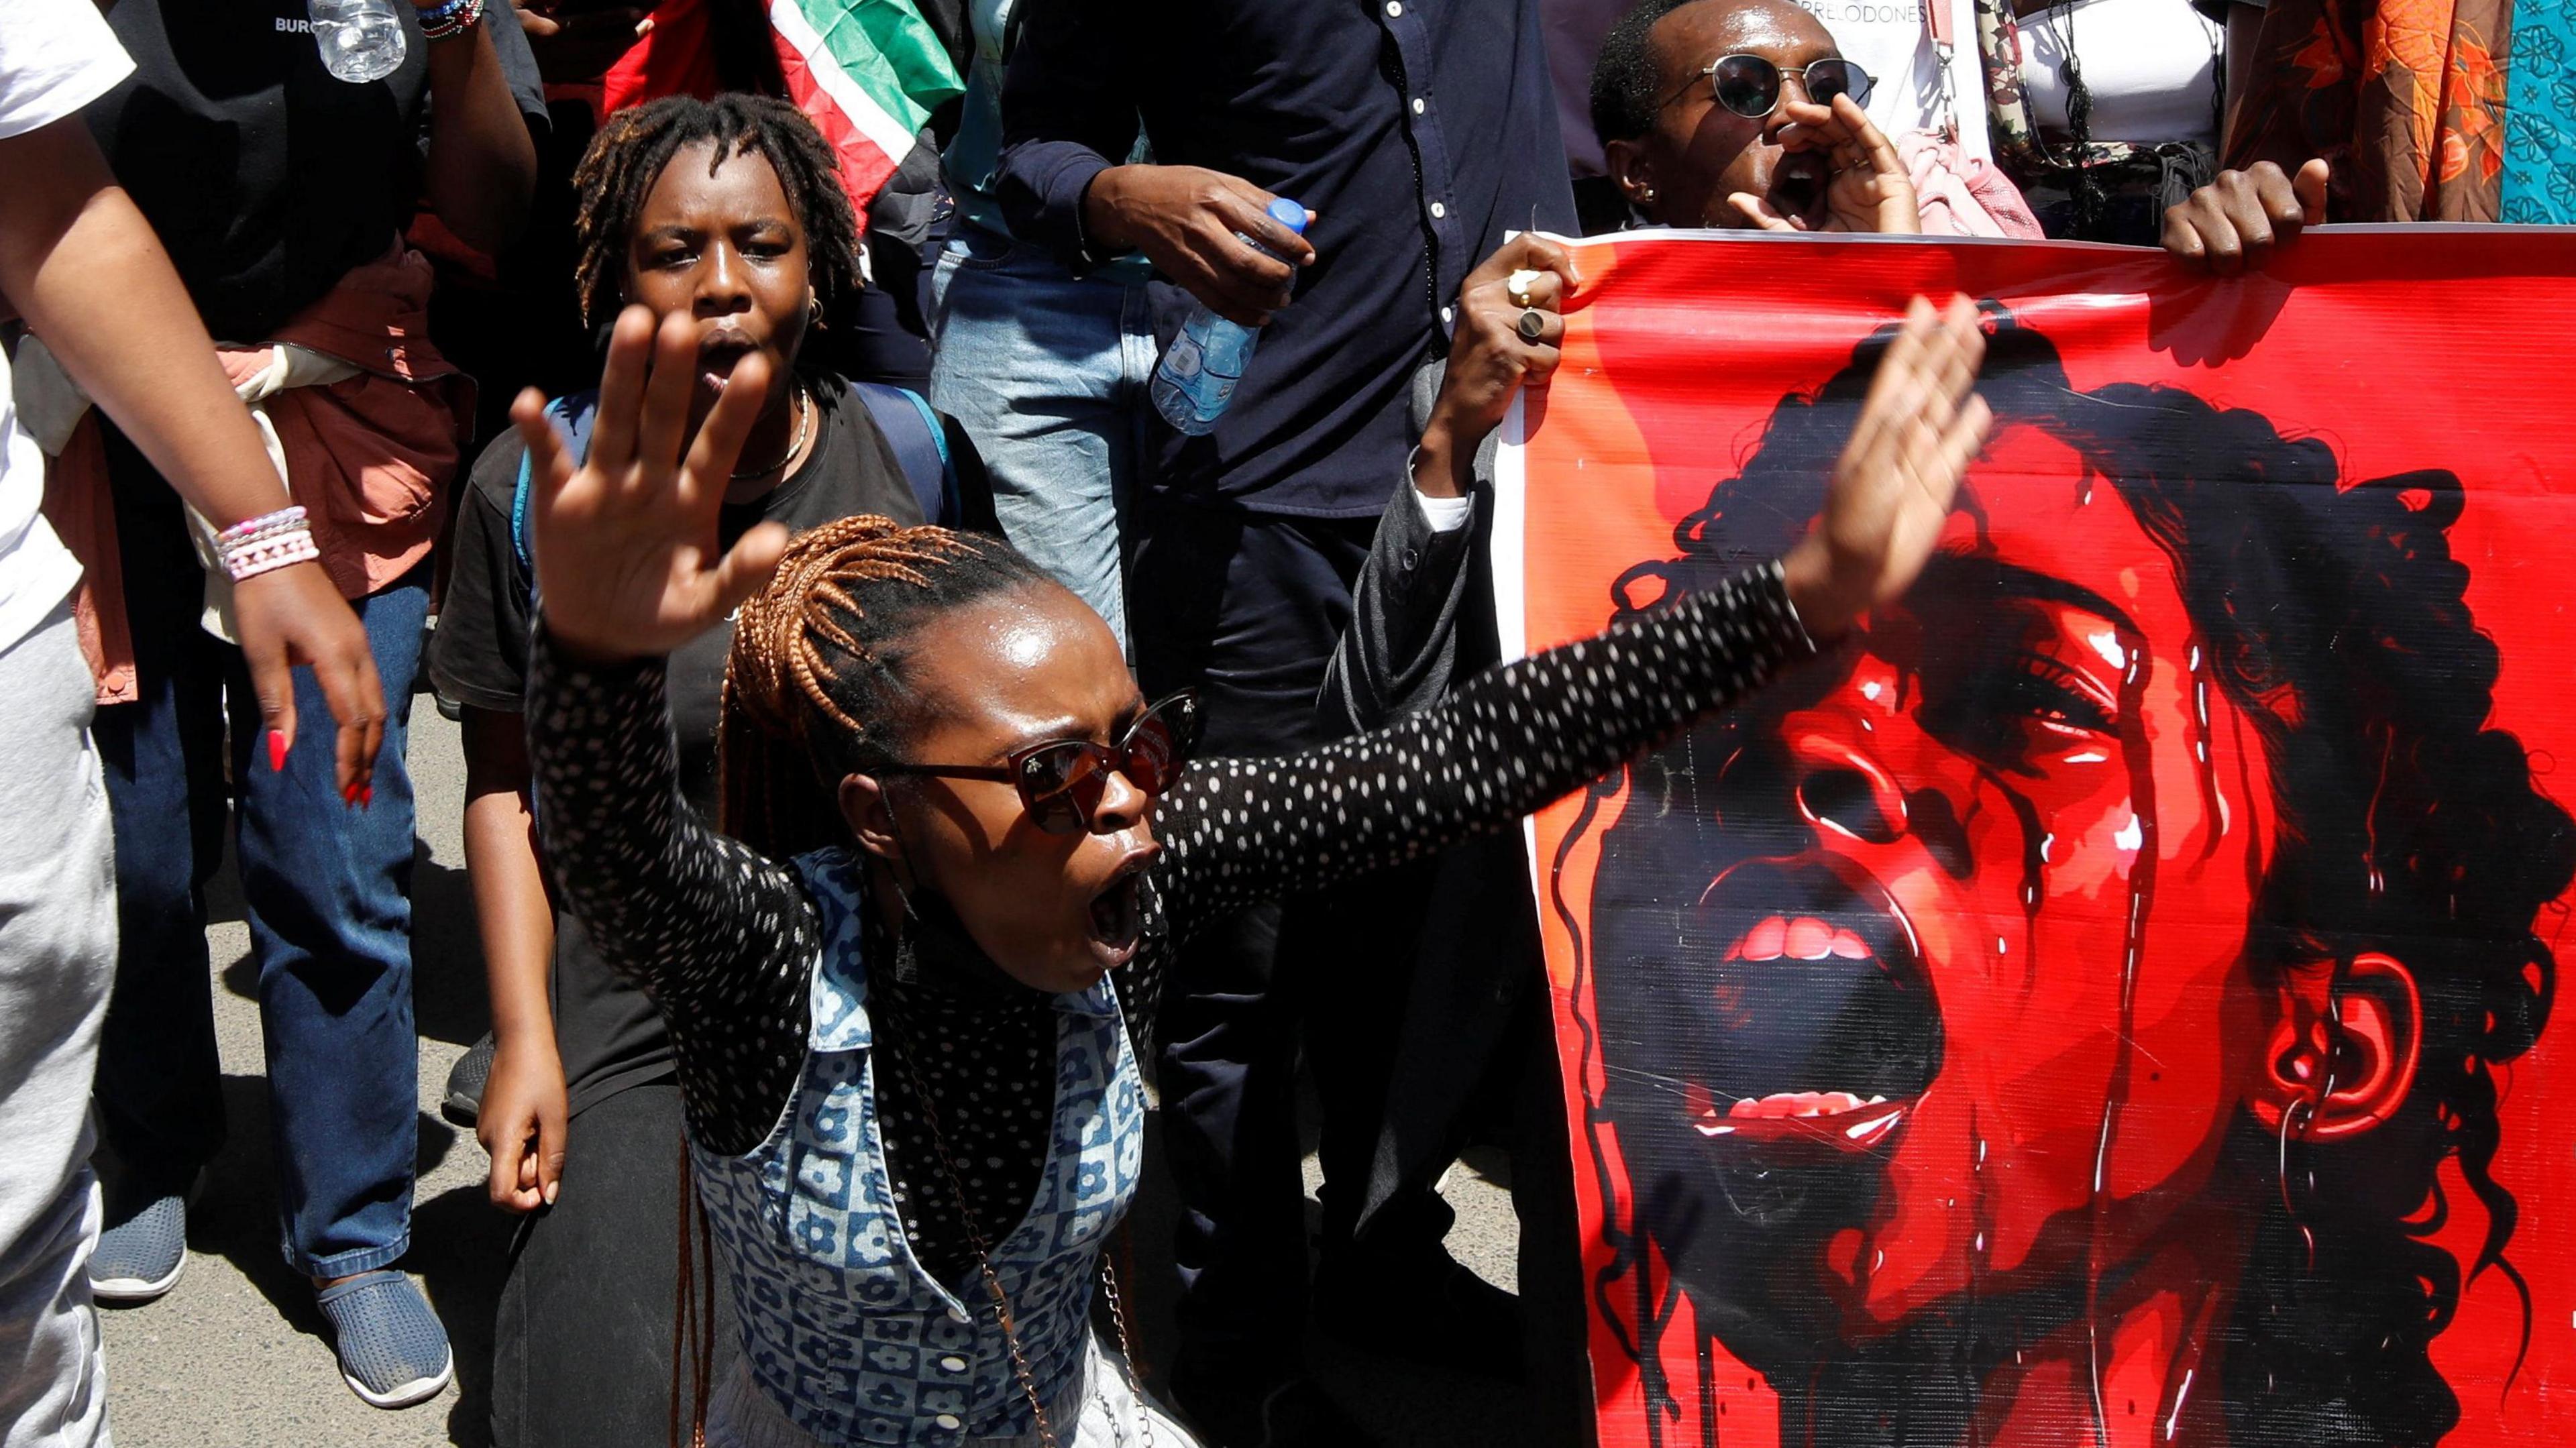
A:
{"x": 814, "y": 310}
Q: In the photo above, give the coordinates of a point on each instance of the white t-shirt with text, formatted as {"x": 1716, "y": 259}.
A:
{"x": 1892, "y": 40}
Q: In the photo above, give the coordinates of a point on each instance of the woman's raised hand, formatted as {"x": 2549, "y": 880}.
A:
{"x": 627, "y": 560}
{"x": 1919, "y": 428}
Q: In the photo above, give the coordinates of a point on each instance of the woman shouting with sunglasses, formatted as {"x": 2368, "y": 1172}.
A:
{"x": 909, "y": 1074}
{"x": 1744, "y": 113}
{"x": 729, "y": 214}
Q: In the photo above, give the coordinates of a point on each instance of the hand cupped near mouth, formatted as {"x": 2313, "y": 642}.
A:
{"x": 1799, "y": 180}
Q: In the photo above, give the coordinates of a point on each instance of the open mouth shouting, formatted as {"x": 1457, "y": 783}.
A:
{"x": 717, "y": 354}
{"x": 1819, "y": 1029}
{"x": 1798, "y": 183}
{"x": 1118, "y": 911}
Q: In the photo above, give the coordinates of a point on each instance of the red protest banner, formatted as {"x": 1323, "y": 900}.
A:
{"x": 2109, "y": 1000}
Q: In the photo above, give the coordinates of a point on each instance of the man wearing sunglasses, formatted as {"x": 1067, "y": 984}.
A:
{"x": 1743, "y": 113}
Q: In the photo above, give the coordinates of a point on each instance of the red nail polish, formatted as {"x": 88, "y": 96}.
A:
{"x": 276, "y": 752}
{"x": 349, "y": 793}
{"x": 366, "y": 796}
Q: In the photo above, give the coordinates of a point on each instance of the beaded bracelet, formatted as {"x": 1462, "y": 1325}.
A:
{"x": 267, "y": 525}
{"x": 449, "y": 18}
{"x": 266, "y": 543}
{"x": 248, "y": 563}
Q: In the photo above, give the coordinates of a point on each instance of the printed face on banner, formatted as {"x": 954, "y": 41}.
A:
{"x": 2075, "y": 1008}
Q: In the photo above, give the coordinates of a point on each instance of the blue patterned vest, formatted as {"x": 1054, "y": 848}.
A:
{"x": 852, "y": 1339}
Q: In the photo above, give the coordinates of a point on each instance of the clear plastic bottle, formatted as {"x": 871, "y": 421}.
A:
{"x": 361, "y": 40}
{"x": 1199, "y": 371}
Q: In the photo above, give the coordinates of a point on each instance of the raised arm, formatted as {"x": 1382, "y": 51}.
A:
{"x": 628, "y": 568}
{"x": 1417, "y": 624}
{"x": 719, "y": 937}
{"x": 1509, "y": 741}
{"x": 482, "y": 164}
{"x": 1504, "y": 743}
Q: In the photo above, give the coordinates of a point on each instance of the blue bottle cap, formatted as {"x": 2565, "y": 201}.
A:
{"x": 1289, "y": 214}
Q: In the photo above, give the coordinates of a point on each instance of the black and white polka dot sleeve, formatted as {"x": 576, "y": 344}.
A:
{"x": 721, "y": 938}
{"x": 1239, "y": 831}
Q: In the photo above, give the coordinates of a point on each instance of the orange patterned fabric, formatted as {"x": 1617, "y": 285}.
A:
{"x": 2405, "y": 97}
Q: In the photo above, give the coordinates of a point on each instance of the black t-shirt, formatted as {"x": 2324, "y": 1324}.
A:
{"x": 267, "y": 179}
{"x": 607, "y": 1032}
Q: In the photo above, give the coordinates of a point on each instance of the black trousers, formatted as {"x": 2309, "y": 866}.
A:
{"x": 1246, "y": 609}
{"x": 583, "y": 1338}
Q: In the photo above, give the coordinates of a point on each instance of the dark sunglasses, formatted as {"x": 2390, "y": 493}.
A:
{"x": 1750, "y": 86}
{"x": 1061, "y": 781}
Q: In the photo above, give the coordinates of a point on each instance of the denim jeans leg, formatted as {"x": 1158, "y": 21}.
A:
{"x": 159, "y": 1097}
{"x": 1040, "y": 367}
{"x": 328, "y": 887}
{"x": 160, "y": 1102}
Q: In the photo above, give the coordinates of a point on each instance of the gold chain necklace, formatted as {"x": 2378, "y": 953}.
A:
{"x": 993, "y": 1279}
{"x": 795, "y": 445}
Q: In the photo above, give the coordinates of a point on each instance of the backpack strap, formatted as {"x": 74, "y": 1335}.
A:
{"x": 920, "y": 443}
{"x": 571, "y": 416}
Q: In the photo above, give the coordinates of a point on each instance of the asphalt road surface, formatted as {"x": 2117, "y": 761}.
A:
{"x": 235, "y": 1354}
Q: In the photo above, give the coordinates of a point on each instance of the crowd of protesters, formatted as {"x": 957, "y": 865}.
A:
{"x": 890, "y": 743}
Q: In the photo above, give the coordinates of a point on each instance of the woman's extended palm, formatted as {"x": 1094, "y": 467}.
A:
{"x": 627, "y": 559}
{"x": 1919, "y": 428}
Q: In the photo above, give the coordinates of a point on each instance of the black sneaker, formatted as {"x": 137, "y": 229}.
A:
{"x": 463, "y": 1104}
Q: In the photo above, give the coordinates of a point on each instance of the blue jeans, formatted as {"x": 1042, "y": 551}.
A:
{"x": 327, "y": 891}
{"x": 1047, "y": 372}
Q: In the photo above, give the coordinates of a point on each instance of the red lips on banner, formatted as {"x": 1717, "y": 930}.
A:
{"x": 2108, "y": 1000}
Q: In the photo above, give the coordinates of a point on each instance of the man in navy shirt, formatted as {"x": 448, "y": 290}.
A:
{"x": 1418, "y": 134}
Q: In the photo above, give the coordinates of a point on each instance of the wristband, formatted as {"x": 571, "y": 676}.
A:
{"x": 449, "y": 18}
{"x": 267, "y": 525}
{"x": 266, "y": 543}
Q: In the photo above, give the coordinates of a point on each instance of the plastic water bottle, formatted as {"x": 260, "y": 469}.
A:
{"x": 361, "y": 40}
{"x": 1199, "y": 371}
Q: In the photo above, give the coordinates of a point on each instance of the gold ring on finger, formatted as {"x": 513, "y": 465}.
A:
{"x": 1517, "y": 285}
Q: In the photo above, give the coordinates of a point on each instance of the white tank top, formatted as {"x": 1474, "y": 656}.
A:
{"x": 2150, "y": 65}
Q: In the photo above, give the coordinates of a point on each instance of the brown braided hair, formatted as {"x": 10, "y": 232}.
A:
{"x": 626, "y": 159}
{"x": 819, "y": 668}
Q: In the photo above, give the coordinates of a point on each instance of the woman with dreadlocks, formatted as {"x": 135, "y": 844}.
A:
{"x": 910, "y": 1086}
{"x": 728, "y": 214}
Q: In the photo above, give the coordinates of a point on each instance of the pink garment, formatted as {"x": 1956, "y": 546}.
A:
{"x": 1963, "y": 195}
{"x": 77, "y": 505}
{"x": 369, "y": 457}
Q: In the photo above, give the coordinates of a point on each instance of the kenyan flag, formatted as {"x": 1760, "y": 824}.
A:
{"x": 866, "y": 72}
